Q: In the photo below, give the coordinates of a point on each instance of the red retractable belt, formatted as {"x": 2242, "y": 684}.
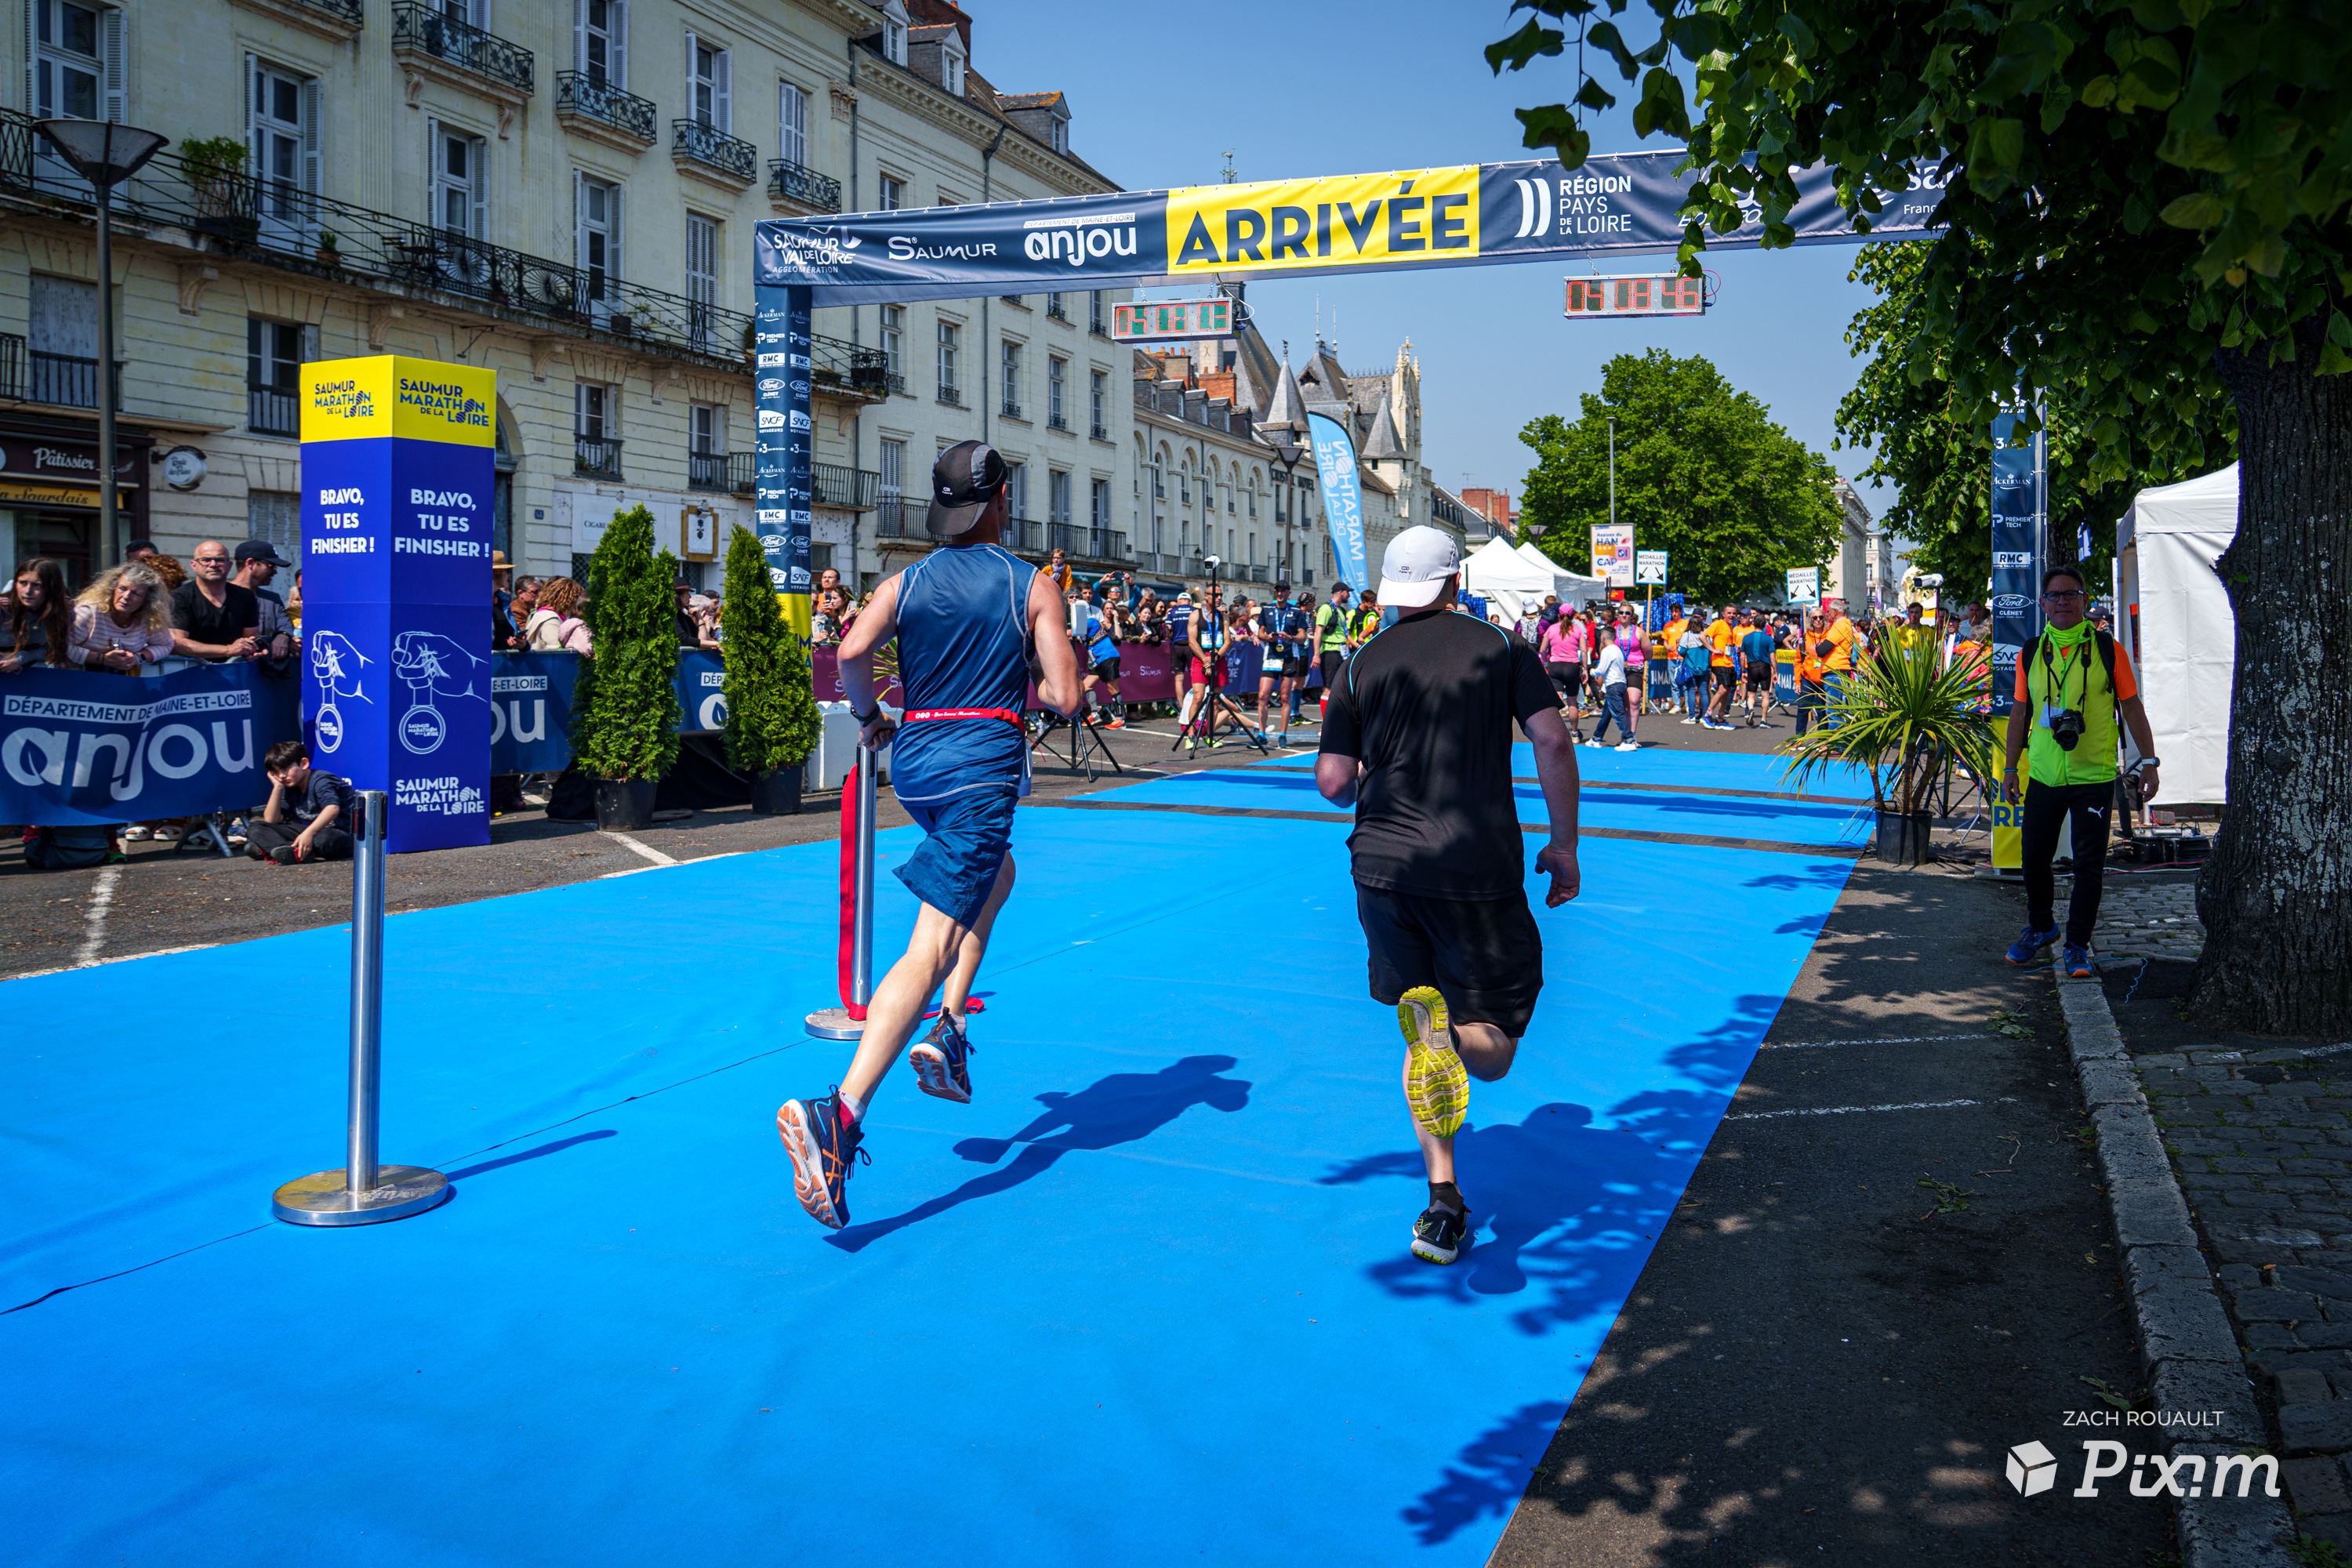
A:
{"x": 1007, "y": 714}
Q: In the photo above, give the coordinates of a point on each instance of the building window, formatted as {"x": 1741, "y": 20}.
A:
{"x": 1061, "y": 135}
{"x": 77, "y": 69}
{"x": 950, "y": 341}
{"x": 893, "y": 194}
{"x": 1098, "y": 507}
{"x": 597, "y": 248}
{"x": 459, "y": 202}
{"x": 276, "y": 516}
{"x": 894, "y": 40}
{"x": 284, "y": 138}
{"x": 594, "y": 409}
{"x": 596, "y": 430}
{"x": 792, "y": 121}
{"x": 819, "y": 557}
{"x": 891, "y": 483}
{"x": 709, "y": 71}
{"x": 1056, "y": 374}
{"x": 894, "y": 342}
{"x": 1184, "y": 483}
{"x": 1016, "y": 489}
{"x": 1253, "y": 495}
{"x": 952, "y": 71}
{"x": 1159, "y": 478}
{"x": 706, "y": 429}
{"x": 1098, "y": 394}
{"x": 1095, "y": 312}
{"x": 603, "y": 41}
{"x": 701, "y": 270}
{"x": 1054, "y": 308}
{"x": 1010, "y": 366}
{"x": 1225, "y": 494}
{"x": 1057, "y": 496}
{"x": 274, "y": 355}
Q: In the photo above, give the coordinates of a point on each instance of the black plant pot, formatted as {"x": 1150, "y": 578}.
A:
{"x": 1903, "y": 838}
{"x": 625, "y": 804}
{"x": 777, "y": 794}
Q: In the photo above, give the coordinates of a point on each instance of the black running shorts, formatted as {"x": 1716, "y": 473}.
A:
{"x": 1722, "y": 673}
{"x": 1334, "y": 660}
{"x": 1760, "y": 677}
{"x": 1483, "y": 955}
{"x": 1106, "y": 669}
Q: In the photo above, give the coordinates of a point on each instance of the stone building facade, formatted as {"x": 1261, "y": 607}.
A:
{"x": 561, "y": 190}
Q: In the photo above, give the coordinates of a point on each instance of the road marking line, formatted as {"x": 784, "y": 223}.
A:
{"x": 1851, "y": 1109}
{"x": 101, "y": 897}
{"x": 102, "y": 962}
{"x": 647, "y": 851}
{"x": 1892, "y": 1040}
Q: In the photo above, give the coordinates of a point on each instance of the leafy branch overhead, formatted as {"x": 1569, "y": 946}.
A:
{"x": 2130, "y": 186}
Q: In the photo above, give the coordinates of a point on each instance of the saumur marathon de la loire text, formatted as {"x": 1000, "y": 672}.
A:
{"x": 450, "y": 513}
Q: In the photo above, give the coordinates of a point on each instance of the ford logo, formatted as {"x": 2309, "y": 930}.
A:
{"x": 2009, "y": 604}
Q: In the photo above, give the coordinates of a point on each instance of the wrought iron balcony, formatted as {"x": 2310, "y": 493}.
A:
{"x": 707, "y": 470}
{"x": 62, "y": 381}
{"x": 423, "y": 28}
{"x": 278, "y": 225}
{"x": 1058, "y": 422}
{"x": 890, "y": 518}
{"x": 1021, "y": 533}
{"x": 743, "y": 472}
{"x": 1010, "y": 409}
{"x": 713, "y": 149}
{"x": 951, "y": 394}
{"x": 846, "y": 369}
{"x": 595, "y": 457}
{"x": 586, "y": 98}
{"x": 788, "y": 182}
{"x": 273, "y": 411}
{"x": 838, "y": 485}
{"x": 1054, "y": 308}
{"x": 1100, "y": 432}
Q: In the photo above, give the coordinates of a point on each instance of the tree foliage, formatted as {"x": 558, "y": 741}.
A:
{"x": 1703, "y": 473}
{"x": 1900, "y": 408}
{"x": 625, "y": 711}
{"x": 772, "y": 716}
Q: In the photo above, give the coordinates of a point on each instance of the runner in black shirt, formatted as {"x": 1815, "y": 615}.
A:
{"x": 1418, "y": 739}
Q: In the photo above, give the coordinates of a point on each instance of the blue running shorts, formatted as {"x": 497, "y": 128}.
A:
{"x": 966, "y": 836}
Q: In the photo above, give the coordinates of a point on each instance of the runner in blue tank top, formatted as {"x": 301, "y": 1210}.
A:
{"x": 970, "y": 617}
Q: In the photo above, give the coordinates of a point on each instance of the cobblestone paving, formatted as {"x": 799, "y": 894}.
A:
{"x": 2262, "y": 1141}
{"x": 2156, "y": 920}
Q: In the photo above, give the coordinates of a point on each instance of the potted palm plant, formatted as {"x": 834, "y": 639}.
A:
{"x": 771, "y": 717}
{"x": 1906, "y": 720}
{"x": 625, "y": 712}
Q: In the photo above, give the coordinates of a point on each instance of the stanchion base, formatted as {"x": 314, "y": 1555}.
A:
{"x": 322, "y": 1197}
{"x": 836, "y": 1024}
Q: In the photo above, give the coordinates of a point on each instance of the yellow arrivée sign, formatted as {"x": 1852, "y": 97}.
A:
{"x": 392, "y": 395}
{"x": 1336, "y": 222}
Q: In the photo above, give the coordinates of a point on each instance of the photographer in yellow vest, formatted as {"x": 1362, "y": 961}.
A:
{"x": 2073, "y": 683}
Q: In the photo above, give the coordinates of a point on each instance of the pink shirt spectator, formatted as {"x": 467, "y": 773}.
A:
{"x": 1560, "y": 646}
{"x": 95, "y": 634}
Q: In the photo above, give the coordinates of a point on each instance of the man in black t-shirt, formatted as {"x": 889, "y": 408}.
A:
{"x": 1418, "y": 739}
{"x": 212, "y": 617}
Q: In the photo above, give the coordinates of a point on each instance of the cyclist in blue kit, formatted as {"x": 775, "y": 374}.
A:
{"x": 973, "y": 621}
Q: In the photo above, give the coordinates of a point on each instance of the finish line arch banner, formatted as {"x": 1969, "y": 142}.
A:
{"x": 397, "y": 457}
{"x": 1467, "y": 214}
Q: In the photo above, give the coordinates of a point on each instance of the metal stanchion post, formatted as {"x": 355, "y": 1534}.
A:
{"x": 363, "y": 1192}
{"x": 838, "y": 1023}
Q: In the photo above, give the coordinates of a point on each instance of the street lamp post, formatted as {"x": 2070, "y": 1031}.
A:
{"x": 105, "y": 154}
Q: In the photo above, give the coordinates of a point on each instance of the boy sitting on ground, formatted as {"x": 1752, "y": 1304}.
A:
{"x": 309, "y": 814}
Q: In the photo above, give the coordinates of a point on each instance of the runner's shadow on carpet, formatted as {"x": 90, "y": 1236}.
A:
{"x": 1120, "y": 1108}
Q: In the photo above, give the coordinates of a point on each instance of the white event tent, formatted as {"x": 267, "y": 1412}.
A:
{"x": 2183, "y": 634}
{"x": 1516, "y": 580}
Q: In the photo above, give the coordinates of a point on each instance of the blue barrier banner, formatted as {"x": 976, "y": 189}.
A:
{"x": 530, "y": 711}
{"x": 1618, "y": 205}
{"x": 1343, "y": 498}
{"x": 83, "y": 750}
{"x": 397, "y": 485}
{"x": 2017, "y": 514}
{"x": 702, "y": 681}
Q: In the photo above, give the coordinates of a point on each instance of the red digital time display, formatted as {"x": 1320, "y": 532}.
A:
{"x": 1643, "y": 294}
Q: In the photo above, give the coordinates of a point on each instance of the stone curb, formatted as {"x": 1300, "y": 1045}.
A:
{"x": 2190, "y": 1352}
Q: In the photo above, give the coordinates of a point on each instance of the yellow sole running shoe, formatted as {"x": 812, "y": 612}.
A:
{"x": 1436, "y": 1085}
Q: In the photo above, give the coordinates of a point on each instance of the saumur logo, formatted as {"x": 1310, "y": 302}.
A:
{"x": 2032, "y": 1469}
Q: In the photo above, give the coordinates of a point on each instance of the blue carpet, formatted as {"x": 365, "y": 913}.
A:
{"x": 1145, "y": 1302}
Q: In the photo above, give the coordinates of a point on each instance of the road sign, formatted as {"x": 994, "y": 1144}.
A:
{"x": 1637, "y": 294}
{"x": 1171, "y": 321}
{"x": 1805, "y": 586}
{"x": 1613, "y": 554}
{"x": 1650, "y": 567}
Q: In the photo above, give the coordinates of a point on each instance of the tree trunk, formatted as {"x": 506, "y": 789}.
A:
{"x": 2276, "y": 899}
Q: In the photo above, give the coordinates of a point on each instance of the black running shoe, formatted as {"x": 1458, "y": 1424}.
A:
{"x": 941, "y": 1061}
{"x": 822, "y": 1147}
{"x": 1440, "y": 1234}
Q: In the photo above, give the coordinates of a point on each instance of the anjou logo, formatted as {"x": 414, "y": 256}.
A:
{"x": 2033, "y": 1469}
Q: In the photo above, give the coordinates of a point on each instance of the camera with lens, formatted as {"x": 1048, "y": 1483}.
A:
{"x": 2066, "y": 727}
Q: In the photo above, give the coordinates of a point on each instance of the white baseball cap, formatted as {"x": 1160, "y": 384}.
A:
{"x": 1417, "y": 565}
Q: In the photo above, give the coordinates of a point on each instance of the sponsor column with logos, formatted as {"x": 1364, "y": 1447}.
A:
{"x": 2018, "y": 509}
{"x": 397, "y": 475}
{"x": 787, "y": 445}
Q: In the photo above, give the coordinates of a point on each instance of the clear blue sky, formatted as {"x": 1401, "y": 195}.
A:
{"x": 1158, "y": 95}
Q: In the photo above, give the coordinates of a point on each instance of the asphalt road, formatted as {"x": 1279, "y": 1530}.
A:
{"x": 1852, "y": 1317}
